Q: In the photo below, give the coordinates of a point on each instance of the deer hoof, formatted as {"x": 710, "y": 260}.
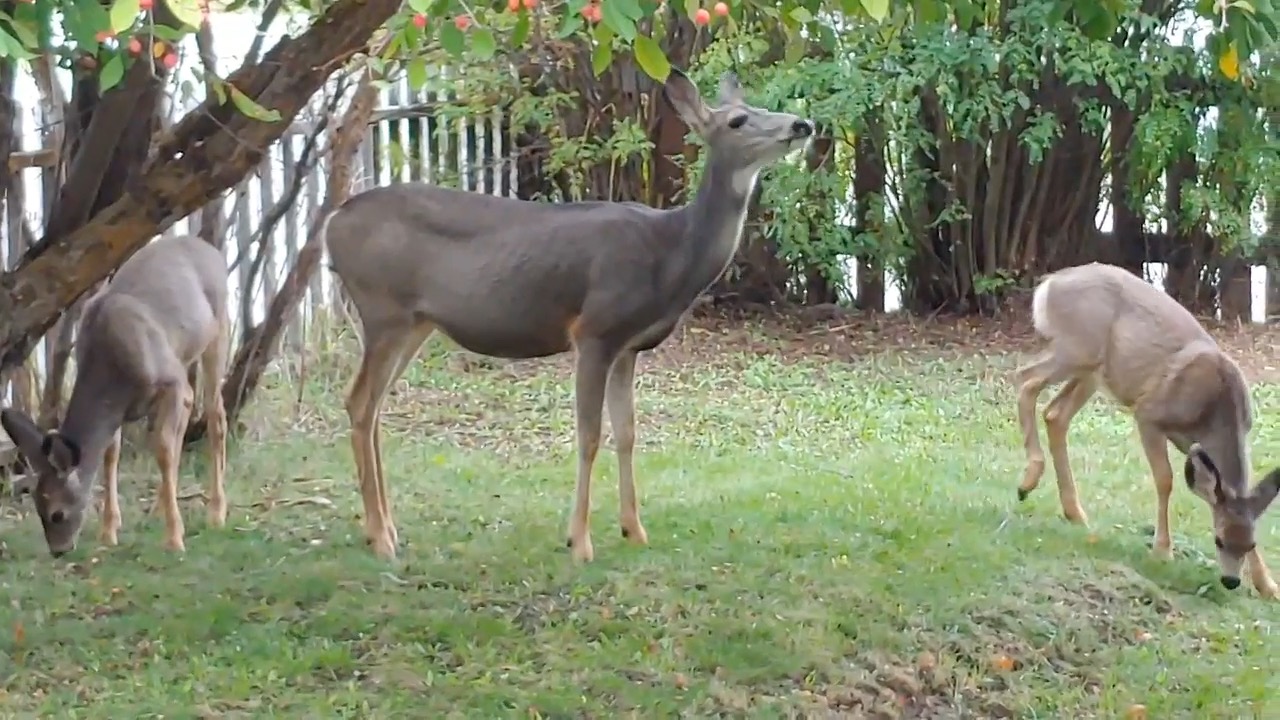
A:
{"x": 217, "y": 516}
{"x": 1022, "y": 494}
{"x": 384, "y": 548}
{"x": 108, "y": 538}
{"x": 1270, "y": 591}
{"x": 581, "y": 550}
{"x": 175, "y": 544}
{"x": 635, "y": 534}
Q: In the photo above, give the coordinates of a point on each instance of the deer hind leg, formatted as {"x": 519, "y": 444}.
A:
{"x": 410, "y": 351}
{"x": 109, "y": 533}
{"x": 1058, "y": 415}
{"x": 620, "y": 399}
{"x": 590, "y": 379}
{"x": 384, "y": 346}
{"x": 212, "y": 364}
{"x": 1156, "y": 447}
{"x": 169, "y": 423}
{"x": 1032, "y": 379}
{"x": 1261, "y": 576}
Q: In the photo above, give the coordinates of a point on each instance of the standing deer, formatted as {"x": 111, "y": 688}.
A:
{"x": 1105, "y": 324}
{"x": 165, "y": 309}
{"x": 516, "y": 279}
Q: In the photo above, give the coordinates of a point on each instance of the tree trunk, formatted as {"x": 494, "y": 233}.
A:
{"x": 869, "y": 174}
{"x": 208, "y": 151}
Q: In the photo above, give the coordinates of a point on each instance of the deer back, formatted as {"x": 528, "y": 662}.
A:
{"x": 164, "y": 303}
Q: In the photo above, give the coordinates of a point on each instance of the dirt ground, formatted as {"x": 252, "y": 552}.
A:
{"x": 829, "y": 331}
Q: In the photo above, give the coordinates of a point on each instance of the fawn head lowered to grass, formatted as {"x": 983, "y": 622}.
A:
{"x": 1106, "y": 326}
{"x": 165, "y": 310}
{"x": 517, "y": 279}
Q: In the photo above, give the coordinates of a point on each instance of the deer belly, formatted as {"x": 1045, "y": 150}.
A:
{"x": 508, "y": 337}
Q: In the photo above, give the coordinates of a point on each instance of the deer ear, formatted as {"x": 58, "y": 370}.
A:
{"x": 63, "y": 454}
{"x": 1265, "y": 492}
{"x": 27, "y": 436}
{"x": 683, "y": 95}
{"x": 730, "y": 90}
{"x": 1202, "y": 475}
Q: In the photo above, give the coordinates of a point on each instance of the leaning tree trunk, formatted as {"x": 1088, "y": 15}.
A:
{"x": 208, "y": 151}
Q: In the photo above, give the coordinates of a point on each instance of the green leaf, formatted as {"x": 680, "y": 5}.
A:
{"x": 112, "y": 73}
{"x": 250, "y": 108}
{"x": 622, "y": 25}
{"x": 520, "y": 32}
{"x": 572, "y": 24}
{"x": 451, "y": 39}
{"x": 801, "y": 15}
{"x": 420, "y": 6}
{"x": 483, "y": 44}
{"x": 601, "y": 56}
{"x": 22, "y": 32}
{"x": 187, "y": 11}
{"x": 877, "y": 9}
{"x": 691, "y": 7}
{"x": 123, "y": 13}
{"x": 10, "y": 47}
{"x": 417, "y": 73}
{"x": 650, "y": 58}
{"x": 629, "y": 8}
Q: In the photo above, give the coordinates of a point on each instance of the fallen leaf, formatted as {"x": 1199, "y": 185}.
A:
{"x": 1136, "y": 712}
{"x": 926, "y": 662}
{"x": 681, "y": 681}
{"x": 19, "y": 633}
{"x": 1003, "y": 662}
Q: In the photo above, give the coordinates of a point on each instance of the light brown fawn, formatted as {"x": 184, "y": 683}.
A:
{"x": 1105, "y": 325}
{"x": 515, "y": 279}
{"x": 165, "y": 309}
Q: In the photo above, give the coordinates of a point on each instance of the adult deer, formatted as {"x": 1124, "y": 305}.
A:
{"x": 516, "y": 279}
{"x": 1105, "y": 325}
{"x": 165, "y": 309}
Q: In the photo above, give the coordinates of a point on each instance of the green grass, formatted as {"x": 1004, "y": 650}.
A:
{"x": 826, "y": 539}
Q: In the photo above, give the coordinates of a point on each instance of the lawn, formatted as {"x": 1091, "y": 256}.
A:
{"x": 830, "y": 536}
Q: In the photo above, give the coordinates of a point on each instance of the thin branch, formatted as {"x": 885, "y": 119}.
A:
{"x": 269, "y": 14}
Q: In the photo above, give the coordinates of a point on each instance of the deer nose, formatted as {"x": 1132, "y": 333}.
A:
{"x": 802, "y": 128}
{"x": 1230, "y": 583}
{"x": 57, "y": 553}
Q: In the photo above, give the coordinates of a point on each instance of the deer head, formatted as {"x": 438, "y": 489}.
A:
{"x": 61, "y": 496}
{"x": 1235, "y": 514}
{"x": 753, "y": 137}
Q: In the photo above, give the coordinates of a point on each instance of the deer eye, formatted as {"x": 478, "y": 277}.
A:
{"x": 737, "y": 121}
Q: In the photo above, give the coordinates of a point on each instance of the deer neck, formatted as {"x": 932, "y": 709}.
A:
{"x": 95, "y": 411}
{"x": 1229, "y": 450}
{"x": 716, "y": 215}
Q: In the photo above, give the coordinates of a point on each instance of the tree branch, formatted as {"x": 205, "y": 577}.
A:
{"x": 208, "y": 151}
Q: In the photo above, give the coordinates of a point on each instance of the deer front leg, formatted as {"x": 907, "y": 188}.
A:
{"x": 620, "y": 399}
{"x": 216, "y": 423}
{"x": 109, "y": 533}
{"x": 1031, "y": 380}
{"x": 1261, "y": 576}
{"x": 173, "y": 409}
{"x": 1155, "y": 446}
{"x": 1058, "y": 415}
{"x": 590, "y": 376}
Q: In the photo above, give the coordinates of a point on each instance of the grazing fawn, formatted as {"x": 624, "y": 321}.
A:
{"x": 516, "y": 279}
{"x": 165, "y": 309}
{"x": 1107, "y": 326}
